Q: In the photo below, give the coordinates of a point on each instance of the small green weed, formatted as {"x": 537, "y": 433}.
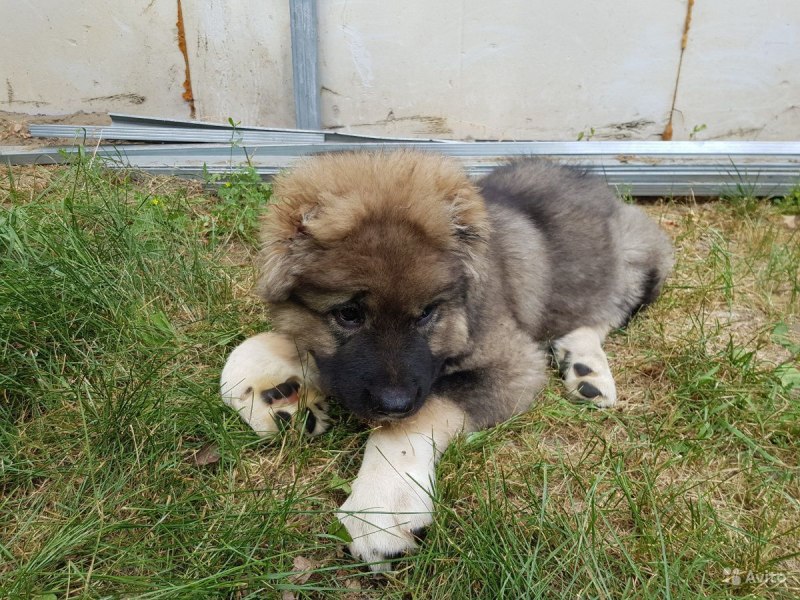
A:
{"x": 242, "y": 196}
{"x": 624, "y": 194}
{"x": 742, "y": 201}
{"x": 697, "y": 129}
{"x": 790, "y": 203}
{"x": 787, "y": 372}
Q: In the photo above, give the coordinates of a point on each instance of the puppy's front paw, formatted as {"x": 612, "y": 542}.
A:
{"x": 268, "y": 384}
{"x": 392, "y": 499}
{"x": 386, "y": 516}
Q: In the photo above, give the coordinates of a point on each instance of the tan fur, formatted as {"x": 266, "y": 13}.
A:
{"x": 325, "y": 200}
{"x": 451, "y": 334}
{"x": 308, "y": 330}
{"x": 440, "y": 419}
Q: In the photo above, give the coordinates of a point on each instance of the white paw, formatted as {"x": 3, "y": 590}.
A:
{"x": 588, "y": 380}
{"x": 386, "y": 516}
{"x": 586, "y": 374}
{"x": 268, "y": 384}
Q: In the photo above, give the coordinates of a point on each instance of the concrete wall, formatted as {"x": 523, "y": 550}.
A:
{"x": 62, "y": 57}
{"x": 510, "y": 69}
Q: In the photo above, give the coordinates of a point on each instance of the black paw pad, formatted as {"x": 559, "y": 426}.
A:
{"x": 311, "y": 421}
{"x": 394, "y": 556}
{"x": 582, "y": 370}
{"x": 282, "y": 419}
{"x": 419, "y": 534}
{"x": 282, "y": 391}
{"x": 587, "y": 390}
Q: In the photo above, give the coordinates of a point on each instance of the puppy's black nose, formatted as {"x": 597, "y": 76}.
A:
{"x": 395, "y": 401}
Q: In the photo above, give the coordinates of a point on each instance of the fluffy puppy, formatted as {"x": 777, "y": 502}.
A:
{"x": 427, "y": 304}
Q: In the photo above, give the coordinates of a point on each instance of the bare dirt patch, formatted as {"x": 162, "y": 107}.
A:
{"x": 14, "y": 127}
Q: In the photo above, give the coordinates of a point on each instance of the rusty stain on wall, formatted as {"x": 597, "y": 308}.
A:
{"x": 667, "y": 134}
{"x": 187, "y": 82}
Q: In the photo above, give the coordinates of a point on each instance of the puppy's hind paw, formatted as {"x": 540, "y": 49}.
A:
{"x": 591, "y": 383}
{"x": 269, "y": 385}
{"x": 584, "y": 367}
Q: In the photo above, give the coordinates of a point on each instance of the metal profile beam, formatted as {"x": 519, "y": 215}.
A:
{"x": 145, "y": 133}
{"x": 124, "y": 120}
{"x": 303, "y": 23}
{"x": 120, "y": 120}
{"x": 623, "y": 151}
{"x": 638, "y": 168}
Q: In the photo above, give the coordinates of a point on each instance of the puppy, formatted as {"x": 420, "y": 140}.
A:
{"x": 426, "y": 304}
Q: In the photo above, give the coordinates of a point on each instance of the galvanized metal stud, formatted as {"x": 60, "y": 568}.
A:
{"x": 303, "y": 17}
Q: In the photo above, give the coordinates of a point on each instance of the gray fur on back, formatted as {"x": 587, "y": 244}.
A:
{"x": 569, "y": 253}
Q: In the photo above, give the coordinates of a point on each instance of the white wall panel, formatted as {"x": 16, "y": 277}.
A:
{"x": 510, "y": 69}
{"x": 504, "y": 69}
{"x": 241, "y": 60}
{"x": 741, "y": 71}
{"x": 94, "y": 55}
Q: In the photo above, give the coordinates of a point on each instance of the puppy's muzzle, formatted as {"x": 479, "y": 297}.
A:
{"x": 396, "y": 402}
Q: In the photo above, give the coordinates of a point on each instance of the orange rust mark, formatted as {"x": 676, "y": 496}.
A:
{"x": 187, "y": 83}
{"x": 667, "y": 133}
{"x": 686, "y": 24}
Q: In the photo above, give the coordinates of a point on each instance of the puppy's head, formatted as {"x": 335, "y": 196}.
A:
{"x": 370, "y": 262}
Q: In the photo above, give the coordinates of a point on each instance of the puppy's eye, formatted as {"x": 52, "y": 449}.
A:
{"x": 349, "y": 316}
{"x": 427, "y": 314}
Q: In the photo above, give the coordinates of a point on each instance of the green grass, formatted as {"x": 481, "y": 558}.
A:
{"x": 120, "y": 297}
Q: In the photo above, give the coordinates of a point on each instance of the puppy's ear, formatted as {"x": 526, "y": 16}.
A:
{"x": 286, "y": 248}
{"x": 466, "y": 222}
{"x": 468, "y": 216}
{"x": 470, "y": 227}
